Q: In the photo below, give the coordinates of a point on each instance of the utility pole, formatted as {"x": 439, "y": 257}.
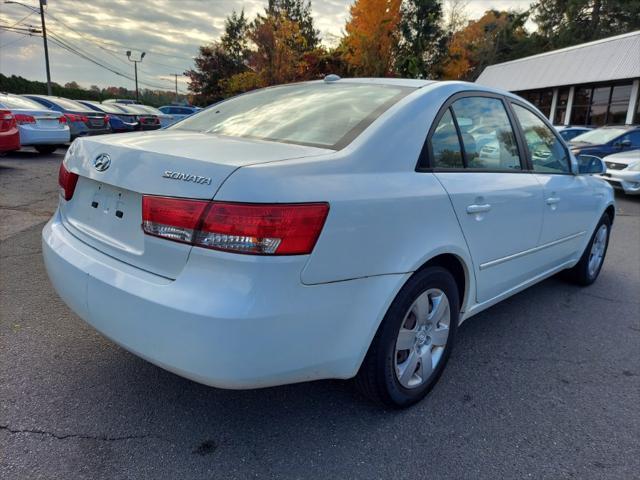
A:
{"x": 44, "y": 37}
{"x": 46, "y": 47}
{"x": 176, "y": 75}
{"x": 135, "y": 69}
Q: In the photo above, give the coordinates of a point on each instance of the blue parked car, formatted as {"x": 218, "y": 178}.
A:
{"x": 569, "y": 133}
{"x": 119, "y": 120}
{"x": 606, "y": 141}
{"x": 179, "y": 111}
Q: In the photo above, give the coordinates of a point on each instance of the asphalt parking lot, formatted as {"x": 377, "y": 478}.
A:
{"x": 543, "y": 385}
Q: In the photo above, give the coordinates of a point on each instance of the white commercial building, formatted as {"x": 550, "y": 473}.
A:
{"x": 595, "y": 83}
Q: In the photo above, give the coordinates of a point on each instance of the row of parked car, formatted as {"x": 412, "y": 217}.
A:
{"x": 618, "y": 146}
{"x": 48, "y": 122}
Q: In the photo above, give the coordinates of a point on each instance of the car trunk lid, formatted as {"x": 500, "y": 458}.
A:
{"x": 106, "y": 208}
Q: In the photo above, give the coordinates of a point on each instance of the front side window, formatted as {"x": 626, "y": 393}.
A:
{"x": 487, "y": 136}
{"x": 445, "y": 144}
{"x": 546, "y": 152}
{"x": 317, "y": 114}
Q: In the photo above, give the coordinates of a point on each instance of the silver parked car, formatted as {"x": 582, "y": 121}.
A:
{"x": 623, "y": 171}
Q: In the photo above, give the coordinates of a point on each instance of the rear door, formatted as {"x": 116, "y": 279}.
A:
{"x": 475, "y": 153}
{"x": 570, "y": 201}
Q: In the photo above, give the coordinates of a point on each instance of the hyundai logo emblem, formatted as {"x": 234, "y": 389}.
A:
{"x": 102, "y": 162}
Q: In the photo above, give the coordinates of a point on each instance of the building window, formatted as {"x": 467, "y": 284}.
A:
{"x": 597, "y": 106}
{"x": 561, "y": 106}
{"x": 540, "y": 98}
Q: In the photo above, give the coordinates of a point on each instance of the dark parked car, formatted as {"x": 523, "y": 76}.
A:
{"x": 119, "y": 120}
{"x": 147, "y": 120}
{"x": 606, "y": 141}
{"x": 81, "y": 119}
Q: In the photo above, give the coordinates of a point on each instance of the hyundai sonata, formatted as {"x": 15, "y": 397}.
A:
{"x": 330, "y": 229}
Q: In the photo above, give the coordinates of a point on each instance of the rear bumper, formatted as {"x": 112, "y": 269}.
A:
{"x": 226, "y": 321}
{"x": 35, "y": 136}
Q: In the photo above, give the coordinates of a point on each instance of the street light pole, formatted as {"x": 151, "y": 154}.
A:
{"x": 46, "y": 47}
{"x": 135, "y": 70}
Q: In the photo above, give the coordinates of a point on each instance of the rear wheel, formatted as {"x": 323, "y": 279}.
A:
{"x": 46, "y": 149}
{"x": 586, "y": 271}
{"x": 413, "y": 343}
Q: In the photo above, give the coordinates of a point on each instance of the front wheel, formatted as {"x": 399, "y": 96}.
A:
{"x": 46, "y": 149}
{"x": 413, "y": 343}
{"x": 586, "y": 271}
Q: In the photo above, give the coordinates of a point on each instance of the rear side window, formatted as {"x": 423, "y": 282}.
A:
{"x": 546, "y": 152}
{"x": 487, "y": 136}
{"x": 445, "y": 145}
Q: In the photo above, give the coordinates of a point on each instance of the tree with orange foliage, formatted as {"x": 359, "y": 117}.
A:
{"x": 495, "y": 37}
{"x": 371, "y": 37}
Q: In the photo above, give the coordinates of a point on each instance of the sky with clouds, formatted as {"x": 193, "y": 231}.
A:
{"x": 169, "y": 31}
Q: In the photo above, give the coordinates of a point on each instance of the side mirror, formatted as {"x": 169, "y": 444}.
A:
{"x": 591, "y": 165}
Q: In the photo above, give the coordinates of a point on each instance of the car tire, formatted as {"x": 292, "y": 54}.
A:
{"x": 386, "y": 374}
{"x": 46, "y": 149}
{"x": 586, "y": 271}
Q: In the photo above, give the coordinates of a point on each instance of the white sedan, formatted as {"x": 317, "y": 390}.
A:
{"x": 39, "y": 127}
{"x": 331, "y": 229}
{"x": 623, "y": 171}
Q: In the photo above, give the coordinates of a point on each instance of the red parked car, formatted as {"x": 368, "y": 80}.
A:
{"x": 9, "y": 133}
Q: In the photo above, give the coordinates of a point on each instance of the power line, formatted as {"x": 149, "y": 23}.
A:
{"x": 61, "y": 43}
{"x": 112, "y": 43}
{"x": 23, "y": 18}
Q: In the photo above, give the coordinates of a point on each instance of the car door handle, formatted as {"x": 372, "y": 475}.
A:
{"x": 553, "y": 200}
{"x": 473, "y": 209}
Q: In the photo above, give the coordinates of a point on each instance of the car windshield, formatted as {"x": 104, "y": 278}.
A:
{"x": 599, "y": 136}
{"x": 11, "y": 101}
{"x": 316, "y": 114}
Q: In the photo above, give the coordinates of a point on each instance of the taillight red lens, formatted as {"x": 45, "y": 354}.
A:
{"x": 62, "y": 119}
{"x": 106, "y": 119}
{"x": 67, "y": 181}
{"x": 74, "y": 117}
{"x": 252, "y": 228}
{"x": 7, "y": 120}
{"x": 172, "y": 218}
{"x": 22, "y": 119}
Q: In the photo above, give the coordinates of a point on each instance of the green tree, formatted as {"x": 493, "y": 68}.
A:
{"x": 563, "y": 23}
{"x": 421, "y": 43}
{"x": 234, "y": 40}
{"x": 298, "y": 11}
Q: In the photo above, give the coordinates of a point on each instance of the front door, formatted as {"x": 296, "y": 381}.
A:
{"x": 569, "y": 200}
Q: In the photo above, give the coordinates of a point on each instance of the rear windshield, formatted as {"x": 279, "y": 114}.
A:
{"x": 20, "y": 103}
{"x": 108, "y": 108}
{"x": 135, "y": 109}
{"x": 327, "y": 115}
{"x": 70, "y": 104}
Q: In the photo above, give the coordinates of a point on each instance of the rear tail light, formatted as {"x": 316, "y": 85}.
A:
{"x": 106, "y": 119}
{"x": 251, "y": 228}
{"x": 22, "y": 119}
{"x": 7, "y": 121}
{"x": 62, "y": 119}
{"x": 67, "y": 182}
{"x": 74, "y": 117}
{"x": 156, "y": 120}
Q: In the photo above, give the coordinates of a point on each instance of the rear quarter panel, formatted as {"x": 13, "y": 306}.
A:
{"x": 384, "y": 217}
